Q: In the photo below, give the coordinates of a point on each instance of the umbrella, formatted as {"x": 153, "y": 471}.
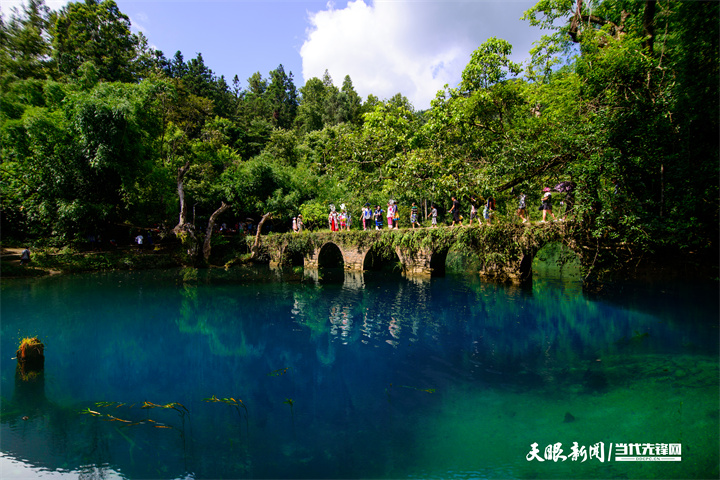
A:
{"x": 565, "y": 187}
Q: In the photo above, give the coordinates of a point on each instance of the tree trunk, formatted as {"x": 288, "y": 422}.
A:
{"x": 181, "y": 194}
{"x": 575, "y": 22}
{"x": 209, "y": 231}
{"x": 649, "y": 24}
{"x": 254, "y": 249}
{"x": 183, "y": 230}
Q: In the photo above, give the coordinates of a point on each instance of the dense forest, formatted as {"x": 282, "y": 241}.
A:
{"x": 101, "y": 134}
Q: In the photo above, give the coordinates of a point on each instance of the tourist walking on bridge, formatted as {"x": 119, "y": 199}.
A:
{"x": 414, "y": 215}
{"x": 366, "y": 216}
{"x": 390, "y": 213}
{"x": 342, "y": 218}
{"x": 455, "y": 210}
{"x": 522, "y": 207}
{"x": 489, "y": 209}
{"x": 546, "y": 205}
{"x": 378, "y": 217}
{"x": 433, "y": 214}
{"x": 473, "y": 212}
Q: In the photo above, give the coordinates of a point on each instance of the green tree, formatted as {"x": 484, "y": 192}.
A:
{"x": 79, "y": 164}
{"x": 312, "y": 106}
{"x": 351, "y": 103}
{"x": 24, "y": 44}
{"x": 94, "y": 31}
{"x": 489, "y": 64}
{"x": 282, "y": 97}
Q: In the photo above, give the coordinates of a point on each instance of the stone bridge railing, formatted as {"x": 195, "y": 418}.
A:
{"x": 506, "y": 251}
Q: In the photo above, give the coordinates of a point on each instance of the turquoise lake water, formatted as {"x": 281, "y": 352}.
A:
{"x": 370, "y": 376}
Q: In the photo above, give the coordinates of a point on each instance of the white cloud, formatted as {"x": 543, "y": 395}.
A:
{"x": 6, "y": 6}
{"x": 139, "y": 22}
{"x": 409, "y": 47}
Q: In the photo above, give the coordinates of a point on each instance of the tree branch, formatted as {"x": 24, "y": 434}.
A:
{"x": 559, "y": 160}
{"x": 579, "y": 18}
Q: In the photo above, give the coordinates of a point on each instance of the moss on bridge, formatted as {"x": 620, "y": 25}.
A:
{"x": 500, "y": 248}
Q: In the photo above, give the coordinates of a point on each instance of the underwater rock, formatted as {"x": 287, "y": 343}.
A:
{"x": 569, "y": 417}
{"x": 595, "y": 382}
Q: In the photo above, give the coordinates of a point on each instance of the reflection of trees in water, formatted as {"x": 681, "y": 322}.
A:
{"x": 548, "y": 336}
{"x": 555, "y": 260}
{"x": 219, "y": 316}
{"x": 544, "y": 334}
{"x": 331, "y": 344}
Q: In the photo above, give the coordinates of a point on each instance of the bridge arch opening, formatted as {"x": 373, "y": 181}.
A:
{"x": 331, "y": 265}
{"x": 462, "y": 260}
{"x": 295, "y": 259}
{"x": 330, "y": 257}
{"x": 382, "y": 259}
{"x": 438, "y": 264}
{"x": 557, "y": 262}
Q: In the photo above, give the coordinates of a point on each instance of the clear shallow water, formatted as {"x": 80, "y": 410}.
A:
{"x": 373, "y": 377}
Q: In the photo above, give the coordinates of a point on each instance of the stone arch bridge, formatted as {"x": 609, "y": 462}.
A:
{"x": 505, "y": 251}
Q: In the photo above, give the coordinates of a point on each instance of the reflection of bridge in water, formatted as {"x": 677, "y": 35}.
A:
{"x": 505, "y": 252}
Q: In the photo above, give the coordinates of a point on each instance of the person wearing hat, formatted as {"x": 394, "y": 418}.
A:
{"x": 546, "y": 205}
{"x": 378, "y": 217}
{"x": 299, "y": 223}
{"x": 332, "y": 219}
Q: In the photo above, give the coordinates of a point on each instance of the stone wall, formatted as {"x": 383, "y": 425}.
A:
{"x": 507, "y": 250}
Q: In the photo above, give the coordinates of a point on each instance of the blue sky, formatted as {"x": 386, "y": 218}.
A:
{"x": 413, "y": 47}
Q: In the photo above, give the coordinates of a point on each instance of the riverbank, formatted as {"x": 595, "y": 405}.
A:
{"x": 64, "y": 261}
{"x": 667, "y": 265}
{"x": 165, "y": 254}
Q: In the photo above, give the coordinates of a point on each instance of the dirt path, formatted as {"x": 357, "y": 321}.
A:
{"x": 11, "y": 255}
